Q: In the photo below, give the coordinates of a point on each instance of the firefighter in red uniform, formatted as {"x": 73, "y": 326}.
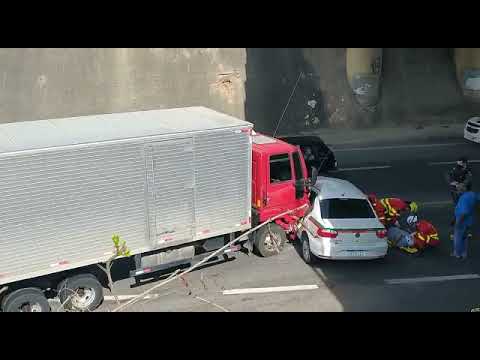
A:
{"x": 389, "y": 209}
{"x": 424, "y": 233}
{"x": 377, "y": 206}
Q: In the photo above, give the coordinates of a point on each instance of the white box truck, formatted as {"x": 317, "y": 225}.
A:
{"x": 176, "y": 179}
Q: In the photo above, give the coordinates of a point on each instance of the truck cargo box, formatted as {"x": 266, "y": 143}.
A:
{"x": 157, "y": 178}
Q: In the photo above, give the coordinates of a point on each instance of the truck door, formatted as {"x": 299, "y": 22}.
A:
{"x": 281, "y": 182}
{"x": 170, "y": 179}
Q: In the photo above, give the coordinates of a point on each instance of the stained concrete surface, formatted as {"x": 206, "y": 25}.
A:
{"x": 418, "y": 85}
{"x": 40, "y": 83}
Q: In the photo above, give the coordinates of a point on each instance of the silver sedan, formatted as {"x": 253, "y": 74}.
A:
{"x": 341, "y": 224}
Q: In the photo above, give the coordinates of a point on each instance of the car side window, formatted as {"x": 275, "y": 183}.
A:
{"x": 280, "y": 168}
{"x": 323, "y": 150}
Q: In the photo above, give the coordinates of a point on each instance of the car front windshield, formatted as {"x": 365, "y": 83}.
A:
{"x": 346, "y": 209}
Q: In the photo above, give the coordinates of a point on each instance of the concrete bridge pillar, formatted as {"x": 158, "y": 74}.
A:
{"x": 364, "y": 69}
{"x": 467, "y": 63}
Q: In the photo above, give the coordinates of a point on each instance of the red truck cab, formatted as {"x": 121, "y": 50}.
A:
{"x": 279, "y": 184}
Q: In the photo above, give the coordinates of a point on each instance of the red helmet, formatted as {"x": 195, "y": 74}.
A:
{"x": 372, "y": 198}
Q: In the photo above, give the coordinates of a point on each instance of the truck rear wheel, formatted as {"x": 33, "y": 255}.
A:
{"x": 26, "y": 300}
{"x": 81, "y": 292}
{"x": 270, "y": 239}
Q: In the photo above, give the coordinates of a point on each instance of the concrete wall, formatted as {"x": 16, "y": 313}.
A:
{"x": 358, "y": 87}
{"x": 323, "y": 97}
{"x": 326, "y": 87}
{"x": 419, "y": 86}
{"x": 46, "y": 83}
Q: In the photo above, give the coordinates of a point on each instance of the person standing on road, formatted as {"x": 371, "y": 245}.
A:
{"x": 459, "y": 178}
{"x": 464, "y": 216}
{"x": 308, "y": 154}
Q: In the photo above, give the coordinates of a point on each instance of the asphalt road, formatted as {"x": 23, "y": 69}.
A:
{"x": 403, "y": 168}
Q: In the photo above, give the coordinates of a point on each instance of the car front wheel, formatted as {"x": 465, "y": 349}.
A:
{"x": 307, "y": 255}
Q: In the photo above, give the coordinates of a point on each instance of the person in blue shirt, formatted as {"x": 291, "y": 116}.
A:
{"x": 464, "y": 215}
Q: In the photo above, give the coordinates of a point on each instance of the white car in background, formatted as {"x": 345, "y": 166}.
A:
{"x": 472, "y": 130}
{"x": 341, "y": 224}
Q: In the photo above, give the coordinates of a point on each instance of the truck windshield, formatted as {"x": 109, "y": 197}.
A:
{"x": 346, "y": 209}
{"x": 280, "y": 169}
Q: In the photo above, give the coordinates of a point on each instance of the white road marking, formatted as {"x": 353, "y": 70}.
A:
{"x": 129, "y": 297}
{"x": 371, "y": 148}
{"x": 363, "y": 168}
{"x": 432, "y": 279}
{"x": 269, "y": 289}
{"x": 436, "y": 203}
{"x": 450, "y": 162}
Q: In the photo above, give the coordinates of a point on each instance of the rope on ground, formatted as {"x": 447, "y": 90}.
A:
{"x": 190, "y": 269}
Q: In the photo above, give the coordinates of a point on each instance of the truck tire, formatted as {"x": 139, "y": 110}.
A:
{"x": 265, "y": 237}
{"x": 307, "y": 255}
{"x": 80, "y": 292}
{"x": 26, "y": 300}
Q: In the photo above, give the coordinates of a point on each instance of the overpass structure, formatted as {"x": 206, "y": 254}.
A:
{"x": 327, "y": 87}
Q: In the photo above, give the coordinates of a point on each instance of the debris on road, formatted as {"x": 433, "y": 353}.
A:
{"x": 212, "y": 303}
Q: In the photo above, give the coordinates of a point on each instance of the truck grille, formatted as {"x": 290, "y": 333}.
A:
{"x": 473, "y": 125}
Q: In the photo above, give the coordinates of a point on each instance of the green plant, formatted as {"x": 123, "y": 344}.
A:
{"x": 120, "y": 249}
{"x": 120, "y": 246}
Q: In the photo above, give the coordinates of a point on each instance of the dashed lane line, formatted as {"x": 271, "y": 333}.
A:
{"x": 394, "y": 147}
{"x": 426, "y": 279}
{"x": 363, "y": 168}
{"x": 451, "y": 162}
{"x": 269, "y": 289}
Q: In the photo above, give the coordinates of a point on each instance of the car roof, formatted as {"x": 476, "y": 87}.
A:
{"x": 333, "y": 188}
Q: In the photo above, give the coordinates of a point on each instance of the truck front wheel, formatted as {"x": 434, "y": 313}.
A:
{"x": 26, "y": 300}
{"x": 270, "y": 239}
{"x": 80, "y": 292}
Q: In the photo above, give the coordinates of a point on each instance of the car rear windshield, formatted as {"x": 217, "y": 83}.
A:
{"x": 346, "y": 209}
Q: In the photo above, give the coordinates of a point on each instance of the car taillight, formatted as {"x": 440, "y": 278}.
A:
{"x": 381, "y": 233}
{"x": 327, "y": 233}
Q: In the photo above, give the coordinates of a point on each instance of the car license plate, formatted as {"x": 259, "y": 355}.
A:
{"x": 356, "y": 253}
